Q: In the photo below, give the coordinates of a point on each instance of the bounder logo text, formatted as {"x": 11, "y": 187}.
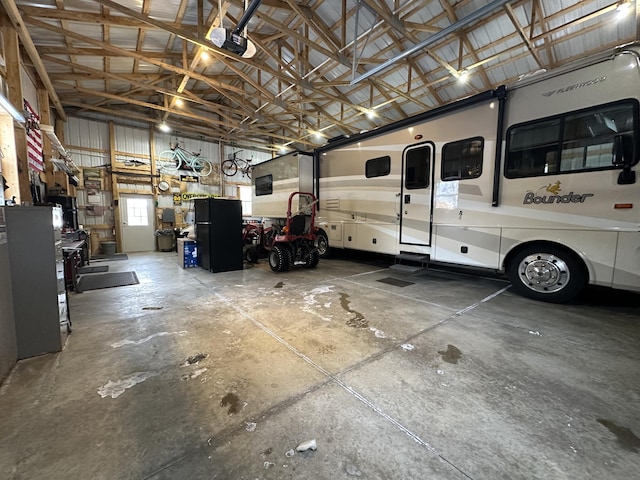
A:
{"x": 551, "y": 194}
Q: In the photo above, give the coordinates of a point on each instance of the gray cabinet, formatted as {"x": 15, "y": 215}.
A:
{"x": 37, "y": 279}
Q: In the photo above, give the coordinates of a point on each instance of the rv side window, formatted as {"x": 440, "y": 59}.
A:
{"x": 574, "y": 142}
{"x": 264, "y": 185}
{"x": 417, "y": 167}
{"x": 463, "y": 159}
{"x": 377, "y": 167}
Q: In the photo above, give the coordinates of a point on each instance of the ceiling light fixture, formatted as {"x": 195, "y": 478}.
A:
{"x": 164, "y": 127}
{"x": 463, "y": 76}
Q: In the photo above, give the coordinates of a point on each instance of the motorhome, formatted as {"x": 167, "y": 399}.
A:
{"x": 536, "y": 180}
{"x": 274, "y": 180}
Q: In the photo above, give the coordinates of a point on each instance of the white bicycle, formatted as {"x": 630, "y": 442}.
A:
{"x": 178, "y": 158}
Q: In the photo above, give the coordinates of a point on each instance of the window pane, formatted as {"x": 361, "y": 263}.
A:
{"x": 417, "y": 167}
{"x": 378, "y": 167}
{"x": 588, "y": 137}
{"x": 574, "y": 142}
{"x": 533, "y": 149}
{"x": 264, "y": 185}
{"x": 462, "y": 160}
{"x": 245, "y": 198}
{"x": 137, "y": 212}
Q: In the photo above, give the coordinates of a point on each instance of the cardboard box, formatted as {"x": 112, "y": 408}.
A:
{"x": 187, "y": 253}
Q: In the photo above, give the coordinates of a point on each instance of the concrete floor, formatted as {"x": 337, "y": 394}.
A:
{"x": 450, "y": 377}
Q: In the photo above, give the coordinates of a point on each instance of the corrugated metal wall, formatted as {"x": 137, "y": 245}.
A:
{"x": 88, "y": 142}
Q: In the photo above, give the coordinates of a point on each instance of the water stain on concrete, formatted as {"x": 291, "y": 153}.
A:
{"x": 279, "y": 285}
{"x": 117, "y": 388}
{"x": 232, "y": 401}
{"x": 451, "y": 355}
{"x": 358, "y": 321}
{"x": 624, "y": 436}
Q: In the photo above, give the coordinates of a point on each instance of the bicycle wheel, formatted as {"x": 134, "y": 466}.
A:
{"x": 247, "y": 171}
{"x": 168, "y": 162}
{"x": 229, "y": 168}
{"x": 201, "y": 166}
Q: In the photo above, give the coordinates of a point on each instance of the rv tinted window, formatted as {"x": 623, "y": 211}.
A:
{"x": 377, "y": 167}
{"x": 264, "y": 185}
{"x": 416, "y": 169}
{"x": 574, "y": 142}
{"x": 462, "y": 160}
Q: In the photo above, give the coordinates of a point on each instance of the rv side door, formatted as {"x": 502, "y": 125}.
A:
{"x": 415, "y": 197}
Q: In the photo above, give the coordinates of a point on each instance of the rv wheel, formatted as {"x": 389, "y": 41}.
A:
{"x": 546, "y": 272}
{"x": 279, "y": 258}
{"x": 322, "y": 244}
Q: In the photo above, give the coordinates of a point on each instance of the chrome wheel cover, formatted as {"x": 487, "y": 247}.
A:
{"x": 544, "y": 273}
{"x": 322, "y": 244}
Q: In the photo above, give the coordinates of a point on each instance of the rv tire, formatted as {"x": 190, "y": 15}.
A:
{"x": 322, "y": 244}
{"x": 546, "y": 272}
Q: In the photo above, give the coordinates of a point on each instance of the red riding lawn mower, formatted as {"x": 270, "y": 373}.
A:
{"x": 289, "y": 241}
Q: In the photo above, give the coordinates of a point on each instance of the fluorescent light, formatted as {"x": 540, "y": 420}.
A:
{"x": 164, "y": 127}
{"x": 623, "y": 10}
{"x": 11, "y": 110}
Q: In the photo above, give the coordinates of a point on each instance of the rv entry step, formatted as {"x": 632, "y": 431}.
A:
{"x": 410, "y": 262}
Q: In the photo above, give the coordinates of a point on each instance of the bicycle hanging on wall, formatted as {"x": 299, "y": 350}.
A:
{"x": 233, "y": 165}
{"x": 178, "y": 158}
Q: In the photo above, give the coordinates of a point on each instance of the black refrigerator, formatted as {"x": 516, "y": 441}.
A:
{"x": 219, "y": 234}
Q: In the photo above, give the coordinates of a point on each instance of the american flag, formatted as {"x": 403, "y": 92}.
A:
{"x": 34, "y": 139}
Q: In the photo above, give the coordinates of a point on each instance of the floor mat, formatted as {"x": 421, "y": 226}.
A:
{"x": 395, "y": 282}
{"x": 106, "y": 280}
{"x": 89, "y": 269}
{"x": 104, "y": 258}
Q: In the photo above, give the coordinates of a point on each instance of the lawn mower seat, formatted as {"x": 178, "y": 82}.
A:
{"x": 298, "y": 224}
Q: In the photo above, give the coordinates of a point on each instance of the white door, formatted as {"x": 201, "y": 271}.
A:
{"x": 415, "y": 202}
{"x": 136, "y": 215}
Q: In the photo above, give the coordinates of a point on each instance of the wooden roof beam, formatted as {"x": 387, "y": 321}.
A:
{"x": 27, "y": 43}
